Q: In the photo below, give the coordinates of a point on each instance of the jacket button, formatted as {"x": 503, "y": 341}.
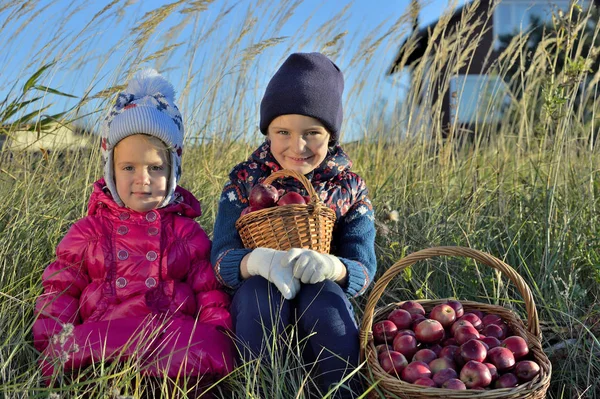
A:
{"x": 122, "y": 230}
{"x": 122, "y": 254}
{"x": 124, "y": 216}
{"x": 152, "y": 231}
{"x": 151, "y": 256}
{"x": 151, "y": 216}
{"x": 150, "y": 282}
{"x": 121, "y": 282}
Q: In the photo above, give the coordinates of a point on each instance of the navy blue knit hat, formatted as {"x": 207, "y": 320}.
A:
{"x": 306, "y": 84}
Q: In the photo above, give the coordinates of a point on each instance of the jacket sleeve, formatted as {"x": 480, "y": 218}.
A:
{"x": 354, "y": 243}
{"x": 228, "y": 250}
{"x": 63, "y": 282}
{"x": 211, "y": 300}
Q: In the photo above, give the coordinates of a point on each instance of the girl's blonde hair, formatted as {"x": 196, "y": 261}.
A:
{"x": 157, "y": 143}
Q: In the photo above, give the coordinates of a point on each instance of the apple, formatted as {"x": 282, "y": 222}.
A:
{"x": 465, "y": 333}
{"x": 263, "y": 196}
{"x": 473, "y": 319}
{"x": 475, "y": 374}
{"x": 417, "y": 319}
{"x": 401, "y": 318}
{"x": 491, "y": 319}
{"x": 502, "y": 358}
{"x": 508, "y": 380}
{"x": 441, "y": 363}
{"x": 450, "y": 351}
{"x": 493, "y": 330}
{"x": 436, "y": 348}
{"x": 459, "y": 323}
{"x": 478, "y": 313}
{"x": 444, "y": 314}
{"x": 406, "y": 332}
{"x": 247, "y": 210}
{"x": 517, "y": 345}
{"x": 379, "y": 349}
{"x": 450, "y": 341}
{"x": 384, "y": 331}
{"x": 429, "y": 331}
{"x": 405, "y": 344}
{"x": 392, "y": 362}
{"x": 424, "y": 355}
{"x": 455, "y": 384}
{"x": 493, "y": 371}
{"x": 413, "y": 307}
{"x": 415, "y": 370}
{"x": 473, "y": 350}
{"x": 443, "y": 375}
{"x": 426, "y": 382}
{"x": 457, "y": 306}
{"x": 491, "y": 342}
{"x": 306, "y": 198}
{"x": 291, "y": 198}
{"x": 526, "y": 370}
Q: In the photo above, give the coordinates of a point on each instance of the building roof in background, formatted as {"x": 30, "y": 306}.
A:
{"x": 54, "y": 137}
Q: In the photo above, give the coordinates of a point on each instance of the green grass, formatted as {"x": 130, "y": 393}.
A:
{"x": 526, "y": 190}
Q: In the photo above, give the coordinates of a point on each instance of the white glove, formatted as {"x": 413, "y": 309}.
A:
{"x": 312, "y": 267}
{"x": 269, "y": 263}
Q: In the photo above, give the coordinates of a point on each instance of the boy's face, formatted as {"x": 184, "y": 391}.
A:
{"x": 298, "y": 142}
{"x": 141, "y": 173}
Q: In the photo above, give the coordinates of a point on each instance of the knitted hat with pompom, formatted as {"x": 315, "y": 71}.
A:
{"x": 146, "y": 106}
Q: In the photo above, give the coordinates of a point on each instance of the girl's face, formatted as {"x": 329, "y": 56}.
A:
{"x": 141, "y": 172}
{"x": 298, "y": 142}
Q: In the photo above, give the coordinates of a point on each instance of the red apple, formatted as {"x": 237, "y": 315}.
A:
{"x": 444, "y": 375}
{"x": 457, "y": 306}
{"x": 450, "y": 341}
{"x": 441, "y": 363}
{"x": 508, "y": 380}
{"x": 444, "y": 314}
{"x": 493, "y": 330}
{"x": 465, "y": 333}
{"x": 424, "y": 355}
{"x": 473, "y": 350}
{"x": 478, "y": 313}
{"x": 455, "y": 384}
{"x": 413, "y": 307}
{"x": 406, "y": 332}
{"x": 491, "y": 342}
{"x": 450, "y": 351}
{"x": 405, "y": 344}
{"x": 414, "y": 371}
{"x": 473, "y": 319}
{"x": 401, "y": 318}
{"x": 502, "y": 358}
{"x": 475, "y": 374}
{"x": 436, "y": 348}
{"x": 291, "y": 198}
{"x": 306, "y": 198}
{"x": 379, "y": 349}
{"x": 263, "y": 196}
{"x": 429, "y": 331}
{"x": 392, "y": 362}
{"x": 417, "y": 319}
{"x": 493, "y": 371}
{"x": 526, "y": 370}
{"x": 459, "y": 323}
{"x": 426, "y": 382}
{"x": 247, "y": 210}
{"x": 384, "y": 331}
{"x": 517, "y": 345}
{"x": 491, "y": 319}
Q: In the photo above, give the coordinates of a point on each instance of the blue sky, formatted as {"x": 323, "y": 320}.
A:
{"x": 88, "y": 52}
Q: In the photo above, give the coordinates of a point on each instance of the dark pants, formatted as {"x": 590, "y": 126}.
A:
{"x": 320, "y": 312}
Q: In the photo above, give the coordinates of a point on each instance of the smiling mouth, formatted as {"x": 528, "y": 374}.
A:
{"x": 299, "y": 159}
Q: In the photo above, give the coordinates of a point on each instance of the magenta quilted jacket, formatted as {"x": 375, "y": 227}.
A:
{"x": 135, "y": 285}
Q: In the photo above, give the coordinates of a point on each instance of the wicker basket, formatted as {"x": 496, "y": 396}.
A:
{"x": 289, "y": 226}
{"x": 392, "y": 387}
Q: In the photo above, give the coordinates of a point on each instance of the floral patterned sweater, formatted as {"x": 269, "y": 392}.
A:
{"x": 342, "y": 190}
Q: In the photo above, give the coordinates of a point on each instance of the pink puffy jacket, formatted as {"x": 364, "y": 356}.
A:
{"x": 135, "y": 285}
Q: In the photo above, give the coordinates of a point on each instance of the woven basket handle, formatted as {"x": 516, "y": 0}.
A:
{"x": 533, "y": 324}
{"x": 314, "y": 197}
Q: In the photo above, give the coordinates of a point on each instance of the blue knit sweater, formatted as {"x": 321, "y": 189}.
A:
{"x": 342, "y": 190}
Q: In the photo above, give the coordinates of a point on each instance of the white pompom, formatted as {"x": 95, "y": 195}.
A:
{"x": 149, "y": 82}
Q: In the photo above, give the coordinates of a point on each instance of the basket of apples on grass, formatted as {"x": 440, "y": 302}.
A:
{"x": 289, "y": 221}
{"x": 453, "y": 349}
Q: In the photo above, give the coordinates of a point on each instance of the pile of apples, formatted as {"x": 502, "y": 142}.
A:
{"x": 266, "y": 196}
{"x": 451, "y": 349}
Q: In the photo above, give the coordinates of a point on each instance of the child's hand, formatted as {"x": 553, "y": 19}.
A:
{"x": 312, "y": 267}
{"x": 270, "y": 264}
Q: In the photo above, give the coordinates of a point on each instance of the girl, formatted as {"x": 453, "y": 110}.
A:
{"x": 133, "y": 279}
{"x": 301, "y": 115}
